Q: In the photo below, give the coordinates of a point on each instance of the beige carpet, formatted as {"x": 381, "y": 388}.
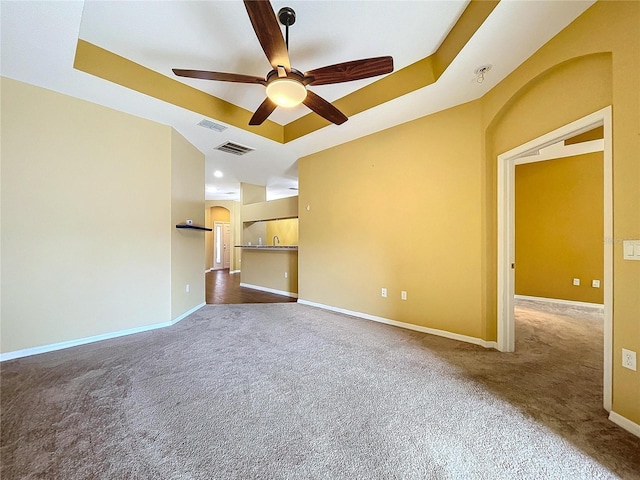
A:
{"x": 287, "y": 391}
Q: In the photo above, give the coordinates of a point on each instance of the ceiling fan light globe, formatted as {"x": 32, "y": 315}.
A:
{"x": 286, "y": 92}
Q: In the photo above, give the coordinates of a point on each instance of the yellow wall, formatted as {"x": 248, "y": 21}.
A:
{"x": 594, "y": 62}
{"x": 220, "y": 214}
{"x": 254, "y": 233}
{"x": 90, "y": 200}
{"x": 250, "y": 193}
{"x": 267, "y": 268}
{"x": 86, "y": 219}
{"x": 187, "y": 246}
{"x": 559, "y": 224}
{"x": 401, "y": 210}
{"x": 414, "y": 207}
{"x": 269, "y": 210}
{"x": 286, "y": 230}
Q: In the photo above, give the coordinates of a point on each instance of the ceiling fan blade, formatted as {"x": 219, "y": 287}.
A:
{"x": 267, "y": 29}
{"x": 264, "y": 110}
{"x": 220, "y": 76}
{"x": 324, "y": 108}
{"x": 349, "y": 71}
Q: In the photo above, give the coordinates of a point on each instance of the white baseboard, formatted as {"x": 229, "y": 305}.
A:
{"x": 27, "y": 352}
{"x": 269, "y": 290}
{"x": 231, "y": 272}
{"x": 408, "y": 326}
{"x": 187, "y": 313}
{"x": 560, "y": 301}
{"x": 625, "y": 423}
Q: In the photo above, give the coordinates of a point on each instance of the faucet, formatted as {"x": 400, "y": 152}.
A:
{"x": 275, "y": 237}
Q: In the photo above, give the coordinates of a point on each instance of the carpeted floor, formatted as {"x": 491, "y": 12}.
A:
{"x": 285, "y": 391}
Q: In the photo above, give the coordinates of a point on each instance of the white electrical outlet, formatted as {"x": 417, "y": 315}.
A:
{"x": 576, "y": 281}
{"x": 286, "y": 274}
{"x": 629, "y": 359}
{"x": 186, "y": 288}
{"x": 595, "y": 283}
{"x": 403, "y": 295}
{"x": 384, "y": 292}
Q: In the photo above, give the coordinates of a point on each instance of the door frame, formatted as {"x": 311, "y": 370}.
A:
{"x": 506, "y": 234}
{"x": 221, "y": 266}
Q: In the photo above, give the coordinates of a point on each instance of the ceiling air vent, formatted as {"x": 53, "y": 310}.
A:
{"x": 212, "y": 125}
{"x": 234, "y": 148}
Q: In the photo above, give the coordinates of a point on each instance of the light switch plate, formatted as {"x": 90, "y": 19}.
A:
{"x": 631, "y": 249}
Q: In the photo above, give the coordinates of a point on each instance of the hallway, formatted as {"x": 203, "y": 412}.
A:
{"x": 224, "y": 288}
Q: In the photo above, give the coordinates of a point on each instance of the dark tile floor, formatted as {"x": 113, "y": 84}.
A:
{"x": 222, "y": 287}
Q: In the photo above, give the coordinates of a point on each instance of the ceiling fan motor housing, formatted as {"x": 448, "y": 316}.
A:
{"x": 286, "y": 86}
{"x": 293, "y": 74}
{"x": 287, "y": 16}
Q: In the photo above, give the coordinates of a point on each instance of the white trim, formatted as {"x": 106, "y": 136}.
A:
{"x": 505, "y": 184}
{"x": 560, "y": 150}
{"x": 625, "y": 423}
{"x": 187, "y": 313}
{"x": 608, "y": 259}
{"x": 231, "y": 272}
{"x": 96, "y": 338}
{"x": 505, "y": 309}
{"x": 408, "y": 326}
{"x": 560, "y": 301}
{"x": 269, "y": 290}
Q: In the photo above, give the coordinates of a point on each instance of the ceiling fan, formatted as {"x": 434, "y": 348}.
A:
{"x": 286, "y": 86}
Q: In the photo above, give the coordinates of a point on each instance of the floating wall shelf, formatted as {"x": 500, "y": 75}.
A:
{"x": 194, "y": 227}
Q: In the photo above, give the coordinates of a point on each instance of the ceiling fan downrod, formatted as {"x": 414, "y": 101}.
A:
{"x": 268, "y": 30}
{"x": 287, "y": 17}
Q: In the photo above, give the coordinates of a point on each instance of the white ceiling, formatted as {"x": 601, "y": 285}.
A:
{"x": 39, "y": 39}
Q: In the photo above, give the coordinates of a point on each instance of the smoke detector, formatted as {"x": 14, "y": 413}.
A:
{"x": 480, "y": 72}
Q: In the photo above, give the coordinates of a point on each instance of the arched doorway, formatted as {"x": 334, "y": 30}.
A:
{"x": 218, "y": 249}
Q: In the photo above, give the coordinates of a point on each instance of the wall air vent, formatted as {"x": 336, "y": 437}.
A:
{"x": 234, "y": 148}
{"x": 212, "y": 125}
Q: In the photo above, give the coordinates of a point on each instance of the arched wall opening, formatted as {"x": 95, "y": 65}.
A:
{"x": 539, "y": 106}
{"x": 215, "y": 213}
{"x": 542, "y": 113}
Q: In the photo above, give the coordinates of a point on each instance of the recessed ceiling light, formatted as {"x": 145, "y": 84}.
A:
{"x": 218, "y": 174}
